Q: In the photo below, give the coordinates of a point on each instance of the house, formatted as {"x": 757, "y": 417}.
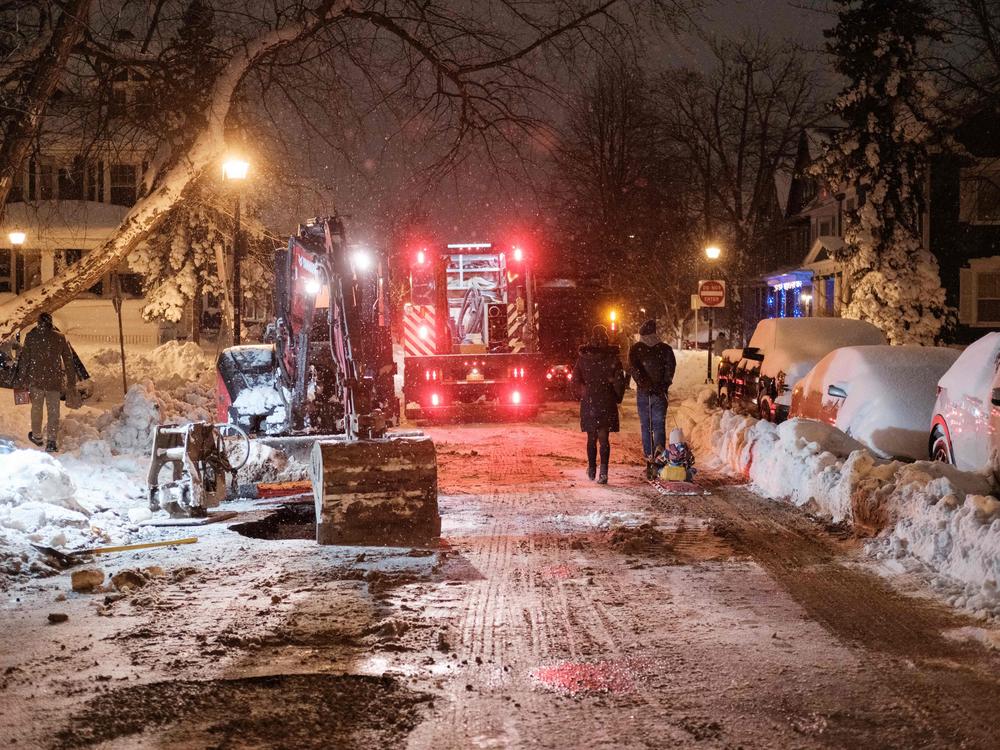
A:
{"x": 961, "y": 227}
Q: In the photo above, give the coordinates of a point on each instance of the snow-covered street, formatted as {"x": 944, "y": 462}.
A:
{"x": 557, "y": 613}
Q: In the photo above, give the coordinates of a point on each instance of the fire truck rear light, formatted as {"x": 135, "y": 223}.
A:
{"x": 421, "y": 257}
{"x": 569, "y": 376}
{"x": 435, "y": 399}
{"x": 518, "y": 254}
{"x": 548, "y": 376}
{"x": 515, "y": 397}
{"x": 423, "y": 332}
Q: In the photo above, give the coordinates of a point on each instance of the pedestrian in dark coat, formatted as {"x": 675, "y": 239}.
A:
{"x": 600, "y": 381}
{"x": 651, "y": 364}
{"x": 45, "y": 367}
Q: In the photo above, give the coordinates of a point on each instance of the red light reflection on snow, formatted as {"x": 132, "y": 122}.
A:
{"x": 619, "y": 676}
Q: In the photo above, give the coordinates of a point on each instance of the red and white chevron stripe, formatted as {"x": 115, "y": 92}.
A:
{"x": 419, "y": 331}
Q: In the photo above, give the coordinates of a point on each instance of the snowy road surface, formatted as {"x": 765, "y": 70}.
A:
{"x": 558, "y": 614}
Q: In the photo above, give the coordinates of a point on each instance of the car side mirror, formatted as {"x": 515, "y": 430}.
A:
{"x": 837, "y": 392}
{"x": 995, "y": 396}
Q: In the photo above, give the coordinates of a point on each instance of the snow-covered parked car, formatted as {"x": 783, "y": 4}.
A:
{"x": 781, "y": 351}
{"x": 882, "y": 396}
{"x": 965, "y": 427}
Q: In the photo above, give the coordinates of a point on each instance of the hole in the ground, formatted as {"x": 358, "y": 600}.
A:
{"x": 286, "y": 522}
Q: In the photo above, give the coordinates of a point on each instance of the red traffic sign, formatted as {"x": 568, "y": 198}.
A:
{"x": 712, "y": 293}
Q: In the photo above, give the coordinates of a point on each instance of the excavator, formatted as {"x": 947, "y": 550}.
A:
{"x": 325, "y": 381}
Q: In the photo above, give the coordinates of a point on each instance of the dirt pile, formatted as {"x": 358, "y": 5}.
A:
{"x": 329, "y": 711}
{"x": 644, "y": 539}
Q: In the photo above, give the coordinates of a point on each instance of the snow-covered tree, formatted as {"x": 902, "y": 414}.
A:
{"x": 891, "y": 119}
{"x": 179, "y": 261}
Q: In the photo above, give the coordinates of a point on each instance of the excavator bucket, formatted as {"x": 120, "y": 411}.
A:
{"x": 380, "y": 492}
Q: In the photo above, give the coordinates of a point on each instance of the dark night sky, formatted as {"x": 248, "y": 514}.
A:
{"x": 474, "y": 203}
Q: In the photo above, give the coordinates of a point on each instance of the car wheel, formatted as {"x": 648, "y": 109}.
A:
{"x": 940, "y": 447}
{"x": 724, "y": 401}
{"x": 765, "y": 410}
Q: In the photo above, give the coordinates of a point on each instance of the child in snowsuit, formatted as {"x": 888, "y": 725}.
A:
{"x": 676, "y": 462}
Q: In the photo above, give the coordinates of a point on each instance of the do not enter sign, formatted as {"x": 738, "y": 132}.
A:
{"x": 712, "y": 293}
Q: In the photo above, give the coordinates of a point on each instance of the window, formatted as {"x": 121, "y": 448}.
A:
{"x": 6, "y": 270}
{"x": 131, "y": 284}
{"x": 123, "y": 181}
{"x": 45, "y": 184}
{"x": 824, "y": 228}
{"x": 979, "y": 195}
{"x": 95, "y": 182}
{"x": 988, "y": 297}
{"x": 71, "y": 181}
{"x": 16, "y": 194}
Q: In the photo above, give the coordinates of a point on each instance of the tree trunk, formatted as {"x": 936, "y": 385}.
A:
{"x": 196, "y": 311}
{"x": 48, "y": 69}
{"x": 146, "y": 215}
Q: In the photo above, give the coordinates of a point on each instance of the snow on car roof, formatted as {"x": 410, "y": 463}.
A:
{"x": 972, "y": 374}
{"x": 793, "y": 345}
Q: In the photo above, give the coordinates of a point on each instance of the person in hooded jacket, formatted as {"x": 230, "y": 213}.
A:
{"x": 600, "y": 382}
{"x": 651, "y": 365}
{"x": 45, "y": 367}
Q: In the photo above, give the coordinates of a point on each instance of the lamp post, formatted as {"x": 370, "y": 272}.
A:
{"x": 712, "y": 253}
{"x": 17, "y": 238}
{"x": 234, "y": 170}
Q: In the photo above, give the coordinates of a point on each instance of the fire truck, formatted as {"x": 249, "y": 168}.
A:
{"x": 470, "y": 332}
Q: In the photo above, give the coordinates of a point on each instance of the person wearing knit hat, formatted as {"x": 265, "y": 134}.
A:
{"x": 600, "y": 381}
{"x": 651, "y": 365}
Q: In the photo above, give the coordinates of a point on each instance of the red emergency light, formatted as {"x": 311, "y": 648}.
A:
{"x": 518, "y": 254}
{"x": 435, "y": 399}
{"x": 421, "y": 257}
{"x": 515, "y": 397}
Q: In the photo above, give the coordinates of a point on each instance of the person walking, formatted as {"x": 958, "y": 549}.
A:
{"x": 600, "y": 381}
{"x": 45, "y": 367}
{"x": 651, "y": 365}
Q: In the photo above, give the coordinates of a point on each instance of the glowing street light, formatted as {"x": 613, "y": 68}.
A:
{"x": 17, "y": 238}
{"x": 712, "y": 252}
{"x": 235, "y": 168}
{"x": 362, "y": 260}
{"x": 613, "y": 317}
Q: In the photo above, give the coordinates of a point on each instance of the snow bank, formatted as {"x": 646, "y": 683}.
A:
{"x": 689, "y": 377}
{"x": 94, "y": 492}
{"x": 922, "y": 515}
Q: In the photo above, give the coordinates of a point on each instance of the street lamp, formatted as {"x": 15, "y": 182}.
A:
{"x": 613, "y": 317}
{"x": 712, "y": 253}
{"x": 234, "y": 170}
{"x": 17, "y": 238}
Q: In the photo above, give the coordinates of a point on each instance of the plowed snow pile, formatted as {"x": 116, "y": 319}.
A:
{"x": 93, "y": 491}
{"x": 923, "y": 515}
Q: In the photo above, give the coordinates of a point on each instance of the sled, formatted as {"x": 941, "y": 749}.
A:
{"x": 665, "y": 487}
